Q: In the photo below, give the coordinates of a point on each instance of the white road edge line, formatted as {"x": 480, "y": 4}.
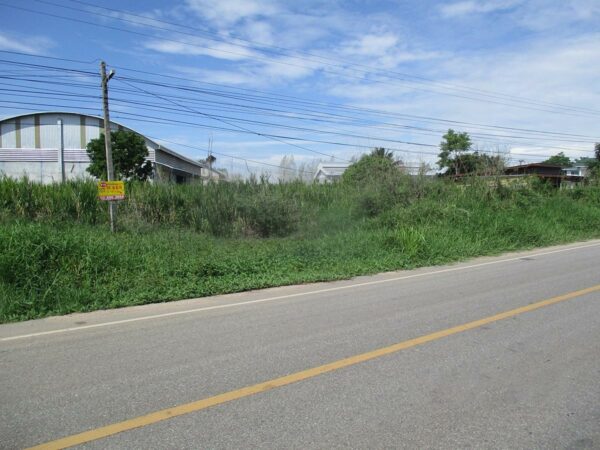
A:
{"x": 281, "y": 297}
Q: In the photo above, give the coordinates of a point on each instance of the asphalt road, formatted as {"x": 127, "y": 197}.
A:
{"x": 527, "y": 379}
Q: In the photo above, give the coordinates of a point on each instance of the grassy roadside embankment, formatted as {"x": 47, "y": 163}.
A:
{"x": 57, "y": 255}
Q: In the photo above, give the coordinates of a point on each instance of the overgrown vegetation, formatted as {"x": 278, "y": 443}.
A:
{"x": 179, "y": 241}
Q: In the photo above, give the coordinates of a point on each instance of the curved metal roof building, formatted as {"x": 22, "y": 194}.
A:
{"x": 48, "y": 147}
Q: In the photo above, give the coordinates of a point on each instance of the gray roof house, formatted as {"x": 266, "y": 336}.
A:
{"x": 329, "y": 172}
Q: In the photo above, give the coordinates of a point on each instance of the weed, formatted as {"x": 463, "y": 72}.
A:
{"x": 179, "y": 241}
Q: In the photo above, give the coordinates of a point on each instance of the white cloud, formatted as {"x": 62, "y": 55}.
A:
{"x": 288, "y": 68}
{"x": 258, "y": 31}
{"x": 538, "y": 15}
{"x": 383, "y": 50}
{"x": 230, "y": 77}
{"x": 232, "y": 11}
{"x": 29, "y": 44}
{"x": 531, "y": 14}
{"x": 195, "y": 47}
{"x": 371, "y": 45}
{"x": 468, "y": 7}
{"x": 549, "y": 70}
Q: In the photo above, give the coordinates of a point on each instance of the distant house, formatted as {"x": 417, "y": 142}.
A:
{"x": 576, "y": 171}
{"x": 329, "y": 172}
{"x": 552, "y": 173}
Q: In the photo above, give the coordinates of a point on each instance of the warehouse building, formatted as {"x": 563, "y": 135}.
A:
{"x": 48, "y": 147}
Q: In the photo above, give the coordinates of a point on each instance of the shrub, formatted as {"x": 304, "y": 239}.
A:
{"x": 268, "y": 214}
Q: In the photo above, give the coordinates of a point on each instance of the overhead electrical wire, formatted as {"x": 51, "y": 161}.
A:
{"x": 285, "y": 52}
{"x": 125, "y": 102}
{"x": 262, "y": 47}
{"x": 274, "y": 61}
{"x": 220, "y": 119}
{"x": 155, "y": 107}
{"x": 281, "y": 98}
{"x": 422, "y": 131}
{"x": 86, "y": 73}
{"x": 413, "y": 129}
{"x": 158, "y": 120}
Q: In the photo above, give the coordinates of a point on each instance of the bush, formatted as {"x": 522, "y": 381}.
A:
{"x": 268, "y": 214}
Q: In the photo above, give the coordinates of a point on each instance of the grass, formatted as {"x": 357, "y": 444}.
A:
{"x": 57, "y": 255}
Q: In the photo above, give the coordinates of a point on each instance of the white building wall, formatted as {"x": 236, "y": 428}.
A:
{"x": 92, "y": 128}
{"x": 71, "y": 130}
{"x": 49, "y": 131}
{"x": 27, "y": 132}
{"x": 9, "y": 137}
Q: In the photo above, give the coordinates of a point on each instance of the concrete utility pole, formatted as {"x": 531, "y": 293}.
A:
{"x": 112, "y": 206}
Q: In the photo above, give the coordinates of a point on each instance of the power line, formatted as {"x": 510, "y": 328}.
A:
{"x": 316, "y": 131}
{"x": 296, "y": 100}
{"x": 37, "y": 66}
{"x": 219, "y": 119}
{"x": 230, "y": 156}
{"x": 281, "y": 138}
{"x": 583, "y": 113}
{"x": 43, "y": 94}
{"x": 286, "y": 52}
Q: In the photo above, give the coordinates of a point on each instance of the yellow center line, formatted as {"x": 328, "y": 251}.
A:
{"x": 164, "y": 414}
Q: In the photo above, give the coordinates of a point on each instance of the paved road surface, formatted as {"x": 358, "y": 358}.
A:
{"x": 528, "y": 379}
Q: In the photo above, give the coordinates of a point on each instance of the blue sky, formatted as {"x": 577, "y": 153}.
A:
{"x": 281, "y": 75}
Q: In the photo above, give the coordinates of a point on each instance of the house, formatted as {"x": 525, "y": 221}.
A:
{"x": 552, "y": 173}
{"x": 48, "y": 147}
{"x": 329, "y": 172}
{"x": 576, "y": 171}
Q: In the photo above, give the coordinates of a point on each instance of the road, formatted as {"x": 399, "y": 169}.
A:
{"x": 497, "y": 352}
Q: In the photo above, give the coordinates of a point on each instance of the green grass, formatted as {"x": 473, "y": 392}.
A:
{"x": 57, "y": 255}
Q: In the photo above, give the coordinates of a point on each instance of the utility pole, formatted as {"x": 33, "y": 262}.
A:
{"x": 112, "y": 206}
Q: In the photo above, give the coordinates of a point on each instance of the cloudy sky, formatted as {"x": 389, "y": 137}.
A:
{"x": 262, "y": 79}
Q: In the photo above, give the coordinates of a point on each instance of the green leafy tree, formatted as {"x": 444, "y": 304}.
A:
{"x": 377, "y": 182}
{"x": 376, "y": 165}
{"x": 129, "y": 154}
{"x": 452, "y": 152}
{"x": 584, "y": 161}
{"x": 595, "y": 165}
{"x": 560, "y": 159}
{"x": 381, "y": 152}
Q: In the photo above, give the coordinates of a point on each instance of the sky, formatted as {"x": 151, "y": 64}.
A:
{"x": 255, "y": 81}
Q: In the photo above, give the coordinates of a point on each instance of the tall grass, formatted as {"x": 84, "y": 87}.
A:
{"x": 177, "y": 241}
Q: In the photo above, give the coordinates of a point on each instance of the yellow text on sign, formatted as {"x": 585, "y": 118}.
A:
{"x": 111, "y": 190}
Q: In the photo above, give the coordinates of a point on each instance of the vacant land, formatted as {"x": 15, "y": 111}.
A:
{"x": 179, "y": 241}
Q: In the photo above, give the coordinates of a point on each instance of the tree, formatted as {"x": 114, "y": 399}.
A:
{"x": 595, "y": 165}
{"x": 584, "y": 161}
{"x": 381, "y": 152}
{"x": 452, "y": 148}
{"x": 287, "y": 171}
{"x": 377, "y": 165}
{"x": 560, "y": 159}
{"x": 457, "y": 155}
{"x": 129, "y": 154}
